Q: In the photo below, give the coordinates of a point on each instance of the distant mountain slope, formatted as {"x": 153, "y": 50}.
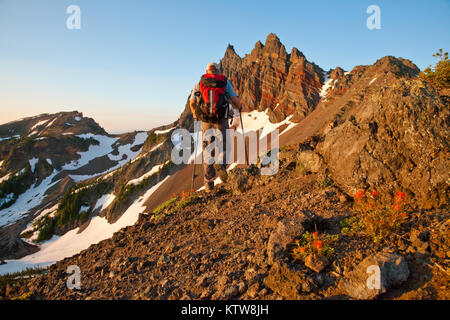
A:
{"x": 42, "y": 157}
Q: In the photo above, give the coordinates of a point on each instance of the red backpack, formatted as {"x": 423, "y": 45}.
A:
{"x": 213, "y": 104}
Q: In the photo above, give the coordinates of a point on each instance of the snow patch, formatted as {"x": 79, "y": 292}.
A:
{"x": 46, "y": 211}
{"x": 84, "y": 209}
{"x": 33, "y": 163}
{"x": 20, "y": 172}
{"x": 123, "y": 150}
{"x": 152, "y": 171}
{"x": 9, "y": 138}
{"x": 104, "y": 147}
{"x": 328, "y": 83}
{"x": 104, "y": 201}
{"x": 372, "y": 81}
{"x": 164, "y": 131}
{"x": 39, "y": 124}
{"x": 79, "y": 178}
{"x": 51, "y": 122}
{"x": 139, "y": 138}
{"x": 257, "y": 120}
{"x": 77, "y": 118}
{"x": 156, "y": 147}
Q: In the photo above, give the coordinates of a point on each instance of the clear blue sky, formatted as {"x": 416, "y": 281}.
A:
{"x": 133, "y": 63}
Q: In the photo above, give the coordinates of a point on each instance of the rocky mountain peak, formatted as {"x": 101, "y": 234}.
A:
{"x": 296, "y": 55}
{"x": 336, "y": 73}
{"x": 256, "y": 54}
{"x": 274, "y": 48}
{"x": 399, "y": 66}
{"x": 230, "y": 52}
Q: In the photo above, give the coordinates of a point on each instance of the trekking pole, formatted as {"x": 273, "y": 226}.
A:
{"x": 243, "y": 137}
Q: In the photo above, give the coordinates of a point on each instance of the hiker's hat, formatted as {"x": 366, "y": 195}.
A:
{"x": 212, "y": 65}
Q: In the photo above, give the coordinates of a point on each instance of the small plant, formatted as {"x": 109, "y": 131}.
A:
{"x": 327, "y": 182}
{"x": 46, "y": 230}
{"x": 310, "y": 243}
{"x": 374, "y": 219}
{"x": 350, "y": 225}
{"x": 300, "y": 168}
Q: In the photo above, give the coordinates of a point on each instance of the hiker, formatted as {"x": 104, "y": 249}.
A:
{"x": 213, "y": 86}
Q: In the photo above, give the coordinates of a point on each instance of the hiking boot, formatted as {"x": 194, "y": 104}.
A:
{"x": 221, "y": 172}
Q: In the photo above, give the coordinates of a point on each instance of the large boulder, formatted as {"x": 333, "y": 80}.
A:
{"x": 284, "y": 233}
{"x": 310, "y": 160}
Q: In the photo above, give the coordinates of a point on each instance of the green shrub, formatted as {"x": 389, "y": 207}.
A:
{"x": 84, "y": 216}
{"x": 373, "y": 217}
{"x": 46, "y": 230}
{"x": 439, "y": 75}
{"x": 164, "y": 205}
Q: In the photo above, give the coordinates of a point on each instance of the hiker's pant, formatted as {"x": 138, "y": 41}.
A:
{"x": 208, "y": 157}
